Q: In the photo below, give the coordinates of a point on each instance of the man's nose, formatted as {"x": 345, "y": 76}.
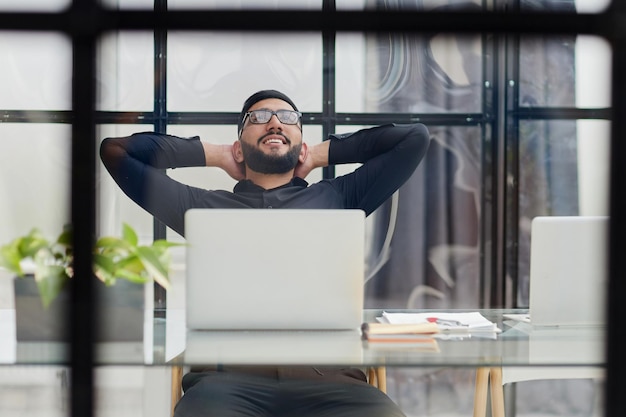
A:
{"x": 274, "y": 123}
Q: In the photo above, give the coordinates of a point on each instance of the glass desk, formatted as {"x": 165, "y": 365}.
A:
{"x": 167, "y": 343}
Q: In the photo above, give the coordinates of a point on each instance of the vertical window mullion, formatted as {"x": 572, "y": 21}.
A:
{"x": 329, "y": 118}
{"x": 160, "y": 125}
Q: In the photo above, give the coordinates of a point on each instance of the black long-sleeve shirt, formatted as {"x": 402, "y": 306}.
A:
{"x": 389, "y": 155}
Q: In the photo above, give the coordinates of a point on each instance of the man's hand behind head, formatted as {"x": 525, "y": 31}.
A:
{"x": 316, "y": 156}
{"x": 222, "y": 156}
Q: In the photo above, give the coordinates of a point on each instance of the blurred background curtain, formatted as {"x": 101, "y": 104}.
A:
{"x": 434, "y": 256}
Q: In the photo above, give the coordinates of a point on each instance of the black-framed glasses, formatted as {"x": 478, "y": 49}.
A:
{"x": 262, "y": 116}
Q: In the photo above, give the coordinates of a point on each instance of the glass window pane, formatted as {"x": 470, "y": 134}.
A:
{"x": 593, "y": 72}
{"x": 592, "y": 6}
{"x": 218, "y": 4}
{"x": 409, "y": 73}
{"x": 574, "y": 6}
{"x": 245, "y": 4}
{"x": 35, "y": 168}
{"x": 434, "y": 257}
{"x": 350, "y": 72}
{"x": 563, "y": 171}
{"x": 351, "y": 4}
{"x": 565, "y": 71}
{"x": 214, "y": 71}
{"x": 36, "y": 71}
{"x": 128, "y": 4}
{"x": 125, "y": 72}
{"x": 33, "y": 5}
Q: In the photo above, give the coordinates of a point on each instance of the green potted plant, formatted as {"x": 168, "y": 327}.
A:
{"x": 43, "y": 268}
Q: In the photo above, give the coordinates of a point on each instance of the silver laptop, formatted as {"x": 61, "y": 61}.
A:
{"x": 259, "y": 269}
{"x": 568, "y": 271}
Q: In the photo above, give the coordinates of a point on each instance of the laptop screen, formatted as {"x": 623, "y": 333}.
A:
{"x": 568, "y": 272}
{"x": 274, "y": 269}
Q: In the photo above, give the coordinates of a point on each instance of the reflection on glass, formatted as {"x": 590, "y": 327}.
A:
{"x": 26, "y": 84}
{"x": 565, "y": 71}
{"x": 213, "y": 71}
{"x": 434, "y": 261}
{"x": 409, "y": 73}
{"x": 125, "y": 71}
{"x": 547, "y": 71}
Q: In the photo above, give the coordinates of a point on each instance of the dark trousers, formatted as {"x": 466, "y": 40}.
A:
{"x": 230, "y": 394}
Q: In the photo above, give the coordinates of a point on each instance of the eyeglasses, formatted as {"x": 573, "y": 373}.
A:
{"x": 262, "y": 116}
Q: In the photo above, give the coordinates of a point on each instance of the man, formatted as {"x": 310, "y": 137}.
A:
{"x": 270, "y": 161}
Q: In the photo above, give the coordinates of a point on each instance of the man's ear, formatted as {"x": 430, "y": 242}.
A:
{"x": 304, "y": 151}
{"x": 237, "y": 152}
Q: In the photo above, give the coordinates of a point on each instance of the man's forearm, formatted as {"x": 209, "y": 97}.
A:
{"x": 362, "y": 145}
{"x": 215, "y": 155}
{"x": 154, "y": 149}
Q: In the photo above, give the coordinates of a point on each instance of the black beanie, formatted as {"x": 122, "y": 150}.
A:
{"x": 258, "y": 96}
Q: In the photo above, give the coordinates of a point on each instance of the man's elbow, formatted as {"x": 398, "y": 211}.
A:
{"x": 418, "y": 140}
{"x": 110, "y": 151}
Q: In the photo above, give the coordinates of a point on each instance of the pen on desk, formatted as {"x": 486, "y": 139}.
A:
{"x": 446, "y": 322}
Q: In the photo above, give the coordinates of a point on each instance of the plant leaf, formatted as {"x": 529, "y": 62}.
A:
{"x": 109, "y": 243}
{"x": 33, "y": 242}
{"x": 129, "y": 235}
{"x": 65, "y": 238}
{"x": 10, "y": 259}
{"x": 104, "y": 268}
{"x": 153, "y": 265}
{"x": 131, "y": 276}
{"x": 50, "y": 280}
{"x": 131, "y": 263}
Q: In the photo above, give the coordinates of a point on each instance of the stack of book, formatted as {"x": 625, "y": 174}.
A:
{"x": 416, "y": 336}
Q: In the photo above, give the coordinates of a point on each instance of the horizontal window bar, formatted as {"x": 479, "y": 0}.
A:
{"x": 99, "y": 20}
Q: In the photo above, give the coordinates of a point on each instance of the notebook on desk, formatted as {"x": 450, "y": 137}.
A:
{"x": 274, "y": 269}
{"x": 568, "y": 272}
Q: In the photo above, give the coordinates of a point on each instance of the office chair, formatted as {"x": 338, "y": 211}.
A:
{"x": 493, "y": 379}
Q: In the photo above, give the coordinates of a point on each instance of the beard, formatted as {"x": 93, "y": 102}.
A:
{"x": 263, "y": 163}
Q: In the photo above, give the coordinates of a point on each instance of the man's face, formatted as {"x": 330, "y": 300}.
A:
{"x": 273, "y": 147}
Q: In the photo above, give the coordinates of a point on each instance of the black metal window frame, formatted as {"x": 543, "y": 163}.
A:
{"x": 84, "y": 21}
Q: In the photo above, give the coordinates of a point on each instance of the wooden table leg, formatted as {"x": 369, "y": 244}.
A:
{"x": 176, "y": 393}
{"x": 381, "y": 377}
{"x": 480, "y": 392}
{"x": 497, "y": 392}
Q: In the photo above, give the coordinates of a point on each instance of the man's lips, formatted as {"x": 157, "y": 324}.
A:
{"x": 274, "y": 139}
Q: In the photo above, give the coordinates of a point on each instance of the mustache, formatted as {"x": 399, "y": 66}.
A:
{"x": 270, "y": 133}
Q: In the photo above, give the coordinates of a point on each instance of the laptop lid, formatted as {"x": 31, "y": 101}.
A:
{"x": 274, "y": 269}
{"x": 568, "y": 272}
